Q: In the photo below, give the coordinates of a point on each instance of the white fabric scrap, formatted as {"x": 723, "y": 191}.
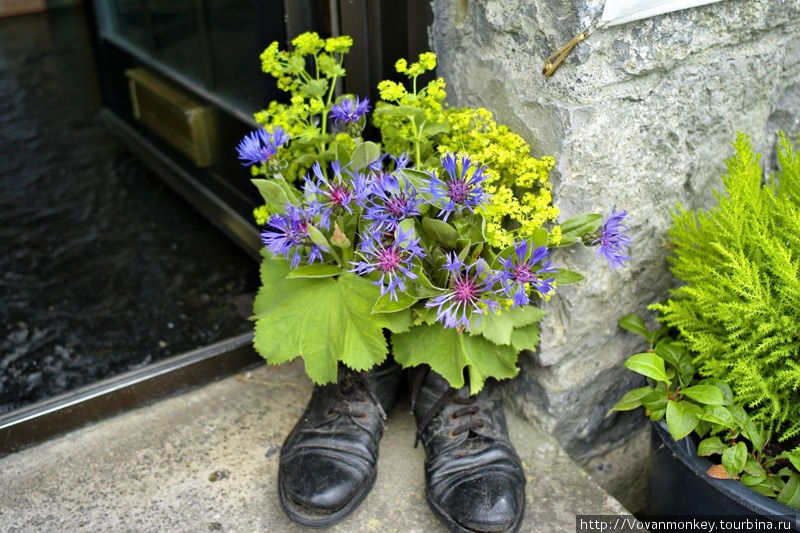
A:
{"x": 622, "y": 11}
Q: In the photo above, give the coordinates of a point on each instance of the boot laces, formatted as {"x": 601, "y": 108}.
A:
{"x": 347, "y": 390}
{"x": 451, "y": 394}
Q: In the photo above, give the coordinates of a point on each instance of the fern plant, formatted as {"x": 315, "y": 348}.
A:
{"x": 738, "y": 309}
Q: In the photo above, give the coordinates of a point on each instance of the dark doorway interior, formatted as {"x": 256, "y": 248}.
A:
{"x": 103, "y": 268}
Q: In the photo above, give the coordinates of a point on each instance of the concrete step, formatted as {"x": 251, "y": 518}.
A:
{"x": 149, "y": 469}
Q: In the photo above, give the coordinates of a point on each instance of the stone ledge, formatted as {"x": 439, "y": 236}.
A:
{"x": 148, "y": 469}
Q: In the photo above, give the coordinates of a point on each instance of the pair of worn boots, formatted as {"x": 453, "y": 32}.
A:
{"x": 328, "y": 462}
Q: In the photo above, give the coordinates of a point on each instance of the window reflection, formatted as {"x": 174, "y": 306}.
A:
{"x": 213, "y": 43}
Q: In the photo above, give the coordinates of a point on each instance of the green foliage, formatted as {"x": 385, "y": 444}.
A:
{"x": 324, "y": 320}
{"x": 488, "y": 349}
{"x": 449, "y": 352}
{"x": 738, "y": 310}
{"x": 708, "y": 408}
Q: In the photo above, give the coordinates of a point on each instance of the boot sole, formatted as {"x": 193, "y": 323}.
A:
{"x": 302, "y": 516}
{"x": 455, "y": 527}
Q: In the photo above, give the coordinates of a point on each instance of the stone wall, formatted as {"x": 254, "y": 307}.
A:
{"x": 640, "y": 116}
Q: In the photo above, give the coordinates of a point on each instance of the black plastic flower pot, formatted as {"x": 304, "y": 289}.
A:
{"x": 679, "y": 485}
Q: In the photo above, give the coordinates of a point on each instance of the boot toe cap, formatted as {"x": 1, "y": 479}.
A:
{"x": 492, "y": 504}
{"x": 320, "y": 484}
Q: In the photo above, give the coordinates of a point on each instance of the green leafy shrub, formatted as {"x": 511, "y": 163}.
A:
{"x": 738, "y": 309}
{"x": 708, "y": 408}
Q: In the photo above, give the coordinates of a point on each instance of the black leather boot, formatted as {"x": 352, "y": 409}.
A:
{"x": 474, "y": 477}
{"x": 327, "y": 463}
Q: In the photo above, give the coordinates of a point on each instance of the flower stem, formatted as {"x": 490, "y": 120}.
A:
{"x": 322, "y": 145}
{"x": 418, "y": 156}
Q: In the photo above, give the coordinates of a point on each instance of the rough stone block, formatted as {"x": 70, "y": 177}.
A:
{"x": 640, "y": 116}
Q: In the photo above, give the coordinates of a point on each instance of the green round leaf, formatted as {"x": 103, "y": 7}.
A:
{"x": 705, "y": 394}
{"x": 632, "y": 399}
{"x": 751, "y": 480}
{"x": 634, "y": 324}
{"x": 710, "y": 446}
{"x": 448, "y": 352}
{"x": 364, "y": 154}
{"x": 734, "y": 458}
{"x": 717, "y": 414}
{"x": 682, "y": 418}
{"x": 580, "y": 225}
{"x": 648, "y": 364}
{"x": 440, "y": 231}
{"x": 567, "y": 277}
{"x": 754, "y": 468}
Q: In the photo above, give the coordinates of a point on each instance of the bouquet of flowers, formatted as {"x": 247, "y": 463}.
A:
{"x": 442, "y": 234}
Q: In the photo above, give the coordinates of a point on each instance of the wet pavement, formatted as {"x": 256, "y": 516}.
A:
{"x": 102, "y": 267}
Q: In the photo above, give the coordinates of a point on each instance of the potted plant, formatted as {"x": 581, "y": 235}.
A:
{"x": 435, "y": 243}
{"x": 725, "y": 366}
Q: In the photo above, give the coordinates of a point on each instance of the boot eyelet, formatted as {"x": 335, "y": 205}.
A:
{"x": 452, "y": 435}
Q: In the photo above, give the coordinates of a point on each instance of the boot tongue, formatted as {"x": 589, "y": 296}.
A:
{"x": 432, "y": 387}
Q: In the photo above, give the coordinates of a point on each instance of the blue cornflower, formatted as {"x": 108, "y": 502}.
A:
{"x": 380, "y": 171}
{"x": 520, "y": 272}
{"x": 471, "y": 291}
{"x": 390, "y": 203}
{"x": 459, "y": 190}
{"x": 613, "y": 240}
{"x": 391, "y": 256}
{"x": 349, "y": 112}
{"x": 380, "y": 166}
{"x": 286, "y": 234}
{"x": 338, "y": 194}
{"x": 259, "y": 146}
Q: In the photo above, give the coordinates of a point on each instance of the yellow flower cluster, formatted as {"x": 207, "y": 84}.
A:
{"x": 271, "y": 59}
{"x": 521, "y": 192}
{"x": 391, "y": 91}
{"x": 435, "y": 92}
{"x": 293, "y": 118}
{"x": 309, "y": 43}
{"x": 339, "y": 44}
{"x": 311, "y": 97}
{"x": 426, "y": 62}
{"x": 345, "y": 142}
{"x": 261, "y": 215}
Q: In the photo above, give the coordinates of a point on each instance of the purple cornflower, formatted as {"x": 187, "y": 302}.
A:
{"x": 259, "y": 146}
{"x": 521, "y": 271}
{"x": 392, "y": 257}
{"x": 379, "y": 170}
{"x": 390, "y": 203}
{"x": 349, "y": 111}
{"x": 471, "y": 289}
{"x": 459, "y": 190}
{"x": 338, "y": 194}
{"x": 613, "y": 240}
{"x": 287, "y": 235}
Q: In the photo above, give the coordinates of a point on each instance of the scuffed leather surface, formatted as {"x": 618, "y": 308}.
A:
{"x": 474, "y": 479}
{"x": 329, "y": 458}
